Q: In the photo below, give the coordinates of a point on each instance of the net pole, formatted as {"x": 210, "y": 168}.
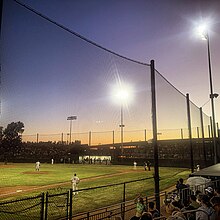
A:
{"x": 190, "y": 132}
{"x": 154, "y": 142}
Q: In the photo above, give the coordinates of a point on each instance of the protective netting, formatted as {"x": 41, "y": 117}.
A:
{"x": 49, "y": 74}
{"x": 171, "y": 110}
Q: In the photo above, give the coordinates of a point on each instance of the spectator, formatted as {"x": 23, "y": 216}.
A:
{"x": 140, "y": 207}
{"x": 178, "y": 215}
{"x": 197, "y": 192}
{"x": 170, "y": 208}
{"x": 199, "y": 198}
{"x": 183, "y": 189}
{"x": 215, "y": 202}
{"x": 217, "y": 191}
{"x": 193, "y": 203}
{"x": 148, "y": 165}
{"x": 205, "y": 212}
{"x": 190, "y": 205}
{"x": 146, "y": 216}
{"x": 154, "y": 212}
{"x": 209, "y": 192}
{"x": 178, "y": 204}
{"x": 186, "y": 206}
{"x": 180, "y": 185}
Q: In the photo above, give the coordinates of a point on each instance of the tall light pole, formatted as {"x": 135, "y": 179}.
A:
{"x": 71, "y": 118}
{"x": 205, "y": 36}
{"x": 122, "y": 128}
{"x": 122, "y": 94}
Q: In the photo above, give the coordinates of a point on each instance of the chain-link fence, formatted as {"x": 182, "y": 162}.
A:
{"x": 23, "y": 209}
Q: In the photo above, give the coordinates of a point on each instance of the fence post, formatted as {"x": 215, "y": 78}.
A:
{"x": 113, "y": 137}
{"x": 123, "y": 205}
{"x": 46, "y": 206}
{"x": 67, "y": 204}
{"x": 90, "y": 138}
{"x": 145, "y": 135}
{"x": 61, "y": 138}
{"x": 198, "y": 132}
{"x": 42, "y": 207}
{"x": 211, "y": 126}
{"x": 181, "y": 131}
{"x": 190, "y": 132}
{"x": 71, "y": 204}
{"x": 203, "y": 136}
{"x": 146, "y": 204}
{"x": 37, "y": 137}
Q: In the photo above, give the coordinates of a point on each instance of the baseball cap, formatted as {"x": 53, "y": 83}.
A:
{"x": 209, "y": 189}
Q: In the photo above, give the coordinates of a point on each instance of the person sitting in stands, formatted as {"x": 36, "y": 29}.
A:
{"x": 205, "y": 212}
{"x": 140, "y": 207}
{"x": 215, "y": 202}
{"x": 193, "y": 202}
{"x": 154, "y": 212}
{"x": 217, "y": 191}
{"x": 209, "y": 192}
{"x": 146, "y": 216}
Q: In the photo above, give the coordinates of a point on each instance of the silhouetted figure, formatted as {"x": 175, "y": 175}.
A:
{"x": 148, "y": 165}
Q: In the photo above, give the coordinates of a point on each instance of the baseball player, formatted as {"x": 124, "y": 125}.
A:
{"x": 37, "y": 166}
{"x": 135, "y": 165}
{"x": 75, "y": 181}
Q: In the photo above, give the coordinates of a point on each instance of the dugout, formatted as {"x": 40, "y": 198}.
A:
{"x": 211, "y": 172}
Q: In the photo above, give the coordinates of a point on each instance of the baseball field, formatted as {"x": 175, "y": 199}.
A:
{"x": 21, "y": 180}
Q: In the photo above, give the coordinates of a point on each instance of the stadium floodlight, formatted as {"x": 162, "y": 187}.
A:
{"x": 123, "y": 94}
{"x": 71, "y": 118}
{"x": 203, "y": 32}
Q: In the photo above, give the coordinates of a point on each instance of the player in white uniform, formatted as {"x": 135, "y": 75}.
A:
{"x": 37, "y": 166}
{"x": 135, "y": 165}
{"x": 75, "y": 181}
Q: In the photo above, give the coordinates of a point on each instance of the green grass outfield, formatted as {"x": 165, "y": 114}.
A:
{"x": 22, "y": 176}
{"x": 21, "y": 180}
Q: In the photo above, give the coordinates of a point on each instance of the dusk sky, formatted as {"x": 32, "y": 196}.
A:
{"x": 49, "y": 74}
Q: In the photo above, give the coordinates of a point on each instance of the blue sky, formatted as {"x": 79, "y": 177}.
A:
{"x": 40, "y": 62}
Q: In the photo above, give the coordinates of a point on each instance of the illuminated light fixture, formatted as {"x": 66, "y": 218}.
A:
{"x": 71, "y": 118}
{"x": 202, "y": 31}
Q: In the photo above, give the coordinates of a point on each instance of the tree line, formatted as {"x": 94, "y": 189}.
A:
{"x": 11, "y": 140}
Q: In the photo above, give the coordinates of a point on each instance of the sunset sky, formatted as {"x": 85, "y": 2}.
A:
{"x": 49, "y": 74}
